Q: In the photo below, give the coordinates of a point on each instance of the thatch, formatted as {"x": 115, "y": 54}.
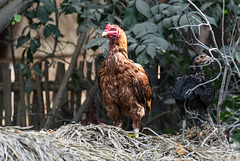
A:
{"x": 104, "y": 142}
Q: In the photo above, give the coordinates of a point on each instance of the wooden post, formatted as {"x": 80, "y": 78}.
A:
{"x": 79, "y": 92}
{"x": 46, "y": 84}
{"x": 16, "y": 99}
{"x": 21, "y": 112}
{"x": 7, "y": 96}
{"x": 38, "y": 107}
{"x": 2, "y": 67}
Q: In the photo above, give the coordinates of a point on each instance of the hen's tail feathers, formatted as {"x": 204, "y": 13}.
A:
{"x": 137, "y": 91}
{"x": 140, "y": 97}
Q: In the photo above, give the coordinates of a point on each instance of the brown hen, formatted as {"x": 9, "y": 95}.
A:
{"x": 125, "y": 86}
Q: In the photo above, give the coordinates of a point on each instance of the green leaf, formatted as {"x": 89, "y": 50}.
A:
{"x": 162, "y": 6}
{"x": 54, "y": 29}
{"x": 31, "y": 14}
{"x": 23, "y": 55}
{"x": 46, "y": 31}
{"x": 95, "y": 42}
{"x": 27, "y": 72}
{"x": 141, "y": 29}
{"x": 75, "y": 79}
{"x": 174, "y": 9}
{"x": 104, "y": 48}
{"x": 167, "y": 22}
{"x": 175, "y": 1}
{"x": 29, "y": 87}
{"x": 97, "y": 15}
{"x": 237, "y": 55}
{"x": 22, "y": 40}
{"x": 169, "y": 101}
{"x": 175, "y": 19}
{"x": 211, "y": 20}
{"x": 143, "y": 8}
{"x": 69, "y": 10}
{"x": 183, "y": 20}
{"x": 42, "y": 14}
{"x": 78, "y": 7}
{"x": 17, "y": 17}
{"x": 206, "y": 5}
{"x": 139, "y": 49}
{"x": 157, "y": 42}
{"x": 20, "y": 66}
{"x": 167, "y": 13}
{"x": 130, "y": 17}
{"x": 33, "y": 26}
{"x": 154, "y": 10}
{"x": 143, "y": 58}
{"x": 29, "y": 56}
{"x": 151, "y": 50}
{"x": 132, "y": 136}
{"x": 132, "y": 47}
{"x": 49, "y": 5}
{"x": 34, "y": 44}
{"x": 114, "y": 1}
{"x": 28, "y": 107}
{"x": 37, "y": 70}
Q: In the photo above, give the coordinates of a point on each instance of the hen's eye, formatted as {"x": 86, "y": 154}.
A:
{"x": 113, "y": 29}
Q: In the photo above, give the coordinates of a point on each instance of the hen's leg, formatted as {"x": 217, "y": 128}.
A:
{"x": 184, "y": 123}
{"x": 136, "y": 124}
{"x": 137, "y": 118}
{"x": 114, "y": 113}
{"x": 199, "y": 123}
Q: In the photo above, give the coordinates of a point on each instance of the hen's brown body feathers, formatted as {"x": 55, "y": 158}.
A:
{"x": 124, "y": 84}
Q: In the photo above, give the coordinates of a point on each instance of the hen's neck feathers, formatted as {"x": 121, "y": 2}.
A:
{"x": 196, "y": 70}
{"x": 119, "y": 44}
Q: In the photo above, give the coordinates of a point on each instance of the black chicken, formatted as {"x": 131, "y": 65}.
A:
{"x": 188, "y": 97}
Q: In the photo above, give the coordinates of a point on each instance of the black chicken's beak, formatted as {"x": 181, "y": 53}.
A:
{"x": 104, "y": 33}
{"x": 207, "y": 60}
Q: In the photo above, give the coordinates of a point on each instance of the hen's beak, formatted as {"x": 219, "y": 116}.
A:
{"x": 104, "y": 33}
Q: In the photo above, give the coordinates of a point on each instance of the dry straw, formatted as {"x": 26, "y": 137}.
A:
{"x": 104, "y": 142}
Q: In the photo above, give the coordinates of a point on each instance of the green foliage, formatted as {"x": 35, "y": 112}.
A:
{"x": 143, "y": 8}
{"x": 29, "y": 87}
{"x": 15, "y": 18}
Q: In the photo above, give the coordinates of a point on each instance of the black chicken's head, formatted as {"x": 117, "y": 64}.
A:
{"x": 199, "y": 59}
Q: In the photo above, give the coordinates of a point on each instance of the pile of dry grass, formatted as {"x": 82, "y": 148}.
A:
{"x": 104, "y": 142}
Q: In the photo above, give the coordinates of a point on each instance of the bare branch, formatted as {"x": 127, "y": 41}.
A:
{"x": 230, "y": 66}
{"x": 66, "y": 77}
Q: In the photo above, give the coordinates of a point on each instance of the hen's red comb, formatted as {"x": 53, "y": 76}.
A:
{"x": 107, "y": 27}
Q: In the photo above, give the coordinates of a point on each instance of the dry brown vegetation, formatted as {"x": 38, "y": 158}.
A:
{"x": 104, "y": 142}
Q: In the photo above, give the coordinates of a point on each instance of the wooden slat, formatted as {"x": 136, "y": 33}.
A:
{"x": 46, "y": 84}
{"x": 21, "y": 112}
{"x": 7, "y": 96}
{"x": 16, "y": 99}
{"x": 38, "y": 106}
{"x": 2, "y": 67}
